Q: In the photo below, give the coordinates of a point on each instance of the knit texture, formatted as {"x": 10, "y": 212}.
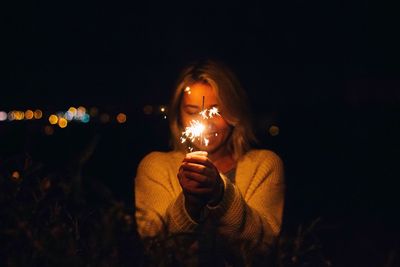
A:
{"x": 250, "y": 211}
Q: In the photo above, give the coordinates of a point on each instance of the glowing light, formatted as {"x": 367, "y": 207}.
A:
{"x": 15, "y": 176}
{"x": 165, "y": 117}
{"x": 187, "y": 90}
{"x": 273, "y": 130}
{"x": 38, "y": 114}
{"x": 209, "y": 113}
{"x": 69, "y": 115}
{"x": 104, "y": 118}
{"x": 48, "y": 130}
{"x": 148, "y": 109}
{"x": 195, "y": 130}
{"x": 19, "y": 115}
{"x": 62, "y": 122}
{"x": 85, "y": 118}
{"x": 11, "y": 116}
{"x": 53, "y": 119}
{"x": 3, "y": 115}
{"x": 121, "y": 118}
{"x": 73, "y": 111}
{"x": 28, "y": 114}
{"x": 81, "y": 110}
{"x": 94, "y": 111}
{"x": 162, "y": 109}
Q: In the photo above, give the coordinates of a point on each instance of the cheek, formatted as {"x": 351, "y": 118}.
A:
{"x": 221, "y": 123}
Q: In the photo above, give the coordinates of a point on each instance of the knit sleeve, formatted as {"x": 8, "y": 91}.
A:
{"x": 159, "y": 209}
{"x": 255, "y": 218}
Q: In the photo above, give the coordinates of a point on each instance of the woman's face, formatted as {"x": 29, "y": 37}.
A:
{"x": 217, "y": 130}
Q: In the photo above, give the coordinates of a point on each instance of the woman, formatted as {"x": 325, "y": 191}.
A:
{"x": 225, "y": 187}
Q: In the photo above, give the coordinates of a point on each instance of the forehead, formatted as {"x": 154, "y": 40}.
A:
{"x": 194, "y": 95}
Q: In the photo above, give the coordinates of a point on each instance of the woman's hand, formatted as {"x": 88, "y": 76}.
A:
{"x": 200, "y": 181}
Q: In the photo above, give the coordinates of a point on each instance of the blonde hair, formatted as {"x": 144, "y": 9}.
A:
{"x": 232, "y": 103}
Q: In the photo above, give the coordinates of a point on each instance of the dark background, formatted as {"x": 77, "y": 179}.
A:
{"x": 325, "y": 72}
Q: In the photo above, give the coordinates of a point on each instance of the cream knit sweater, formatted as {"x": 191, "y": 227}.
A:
{"x": 250, "y": 210}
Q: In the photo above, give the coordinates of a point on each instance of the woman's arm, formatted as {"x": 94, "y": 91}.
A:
{"x": 255, "y": 218}
{"x": 159, "y": 208}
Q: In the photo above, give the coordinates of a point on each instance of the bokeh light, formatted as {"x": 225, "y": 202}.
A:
{"x": 3, "y": 116}
{"x": 105, "y": 118}
{"x": 85, "y": 118}
{"x": 28, "y": 114}
{"x": 62, "y": 122}
{"x": 93, "y": 111}
{"x": 19, "y": 115}
{"x": 72, "y": 111}
{"x": 273, "y": 130}
{"x": 121, "y": 118}
{"x": 148, "y": 109}
{"x": 48, "y": 130}
{"x": 11, "y": 116}
{"x": 15, "y": 176}
{"x": 38, "y": 114}
{"x": 53, "y": 119}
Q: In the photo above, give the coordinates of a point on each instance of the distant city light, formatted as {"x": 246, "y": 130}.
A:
{"x": 85, "y": 118}
{"x": 69, "y": 115}
{"x": 121, "y": 118}
{"x": 148, "y": 109}
{"x": 62, "y": 122}
{"x": 73, "y": 111}
{"x": 3, "y": 116}
{"x": 19, "y": 115}
{"x": 94, "y": 111}
{"x": 273, "y": 130}
{"x": 104, "y": 118}
{"x": 11, "y": 116}
{"x": 53, "y": 119}
{"x": 48, "y": 130}
{"x": 38, "y": 114}
{"x": 15, "y": 176}
{"x": 28, "y": 114}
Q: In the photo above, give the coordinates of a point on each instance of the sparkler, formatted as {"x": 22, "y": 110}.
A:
{"x": 196, "y": 128}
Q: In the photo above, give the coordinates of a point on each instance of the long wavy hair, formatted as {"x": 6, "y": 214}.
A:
{"x": 233, "y": 104}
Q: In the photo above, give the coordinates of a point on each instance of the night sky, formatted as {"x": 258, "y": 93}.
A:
{"x": 325, "y": 72}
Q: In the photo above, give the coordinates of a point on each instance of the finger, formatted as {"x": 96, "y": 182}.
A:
{"x": 199, "y": 160}
{"x": 199, "y": 178}
{"x": 194, "y": 167}
{"x": 198, "y": 153}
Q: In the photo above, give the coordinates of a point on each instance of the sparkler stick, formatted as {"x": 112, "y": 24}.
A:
{"x": 202, "y": 110}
